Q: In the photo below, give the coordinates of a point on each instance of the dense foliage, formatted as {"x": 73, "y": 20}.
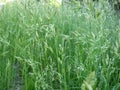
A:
{"x": 52, "y": 46}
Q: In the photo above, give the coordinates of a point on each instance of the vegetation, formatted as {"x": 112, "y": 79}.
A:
{"x": 72, "y": 46}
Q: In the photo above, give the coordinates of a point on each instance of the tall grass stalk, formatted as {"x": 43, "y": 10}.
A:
{"x": 71, "y": 47}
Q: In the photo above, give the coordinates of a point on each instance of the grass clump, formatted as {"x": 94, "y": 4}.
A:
{"x": 70, "y": 47}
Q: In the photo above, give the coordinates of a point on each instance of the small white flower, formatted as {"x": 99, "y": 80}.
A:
{"x": 1, "y": 5}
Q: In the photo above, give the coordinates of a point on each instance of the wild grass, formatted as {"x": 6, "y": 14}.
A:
{"x": 70, "y": 47}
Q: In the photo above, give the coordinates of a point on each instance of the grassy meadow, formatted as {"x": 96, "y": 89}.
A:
{"x": 67, "y": 46}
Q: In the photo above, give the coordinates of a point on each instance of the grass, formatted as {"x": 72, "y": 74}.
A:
{"x": 70, "y": 47}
